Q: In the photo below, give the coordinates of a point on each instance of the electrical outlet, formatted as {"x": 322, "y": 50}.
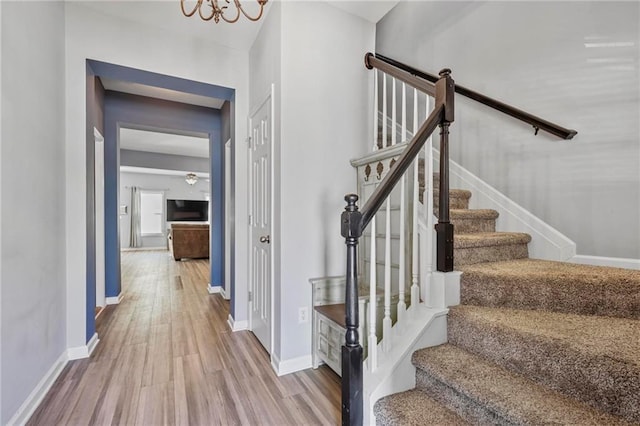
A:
{"x": 303, "y": 315}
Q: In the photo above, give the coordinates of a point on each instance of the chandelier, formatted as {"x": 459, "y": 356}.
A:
{"x": 218, "y": 12}
{"x": 191, "y": 178}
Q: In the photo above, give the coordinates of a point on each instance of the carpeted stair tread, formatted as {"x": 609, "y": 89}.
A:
{"x": 552, "y": 286}
{"x": 483, "y": 392}
{"x": 490, "y": 239}
{"x": 473, "y": 214}
{"x": 454, "y": 193}
{"x": 413, "y": 408}
{"x": 592, "y": 358}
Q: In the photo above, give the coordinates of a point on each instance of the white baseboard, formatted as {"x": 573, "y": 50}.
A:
{"x": 224, "y": 294}
{"x": 80, "y": 352}
{"x": 114, "y": 300}
{"x": 237, "y": 325}
{"x": 290, "y": 365}
{"x": 34, "y": 399}
{"x": 214, "y": 289}
{"x": 615, "y": 262}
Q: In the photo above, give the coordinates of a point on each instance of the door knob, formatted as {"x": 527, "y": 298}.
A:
{"x": 265, "y": 239}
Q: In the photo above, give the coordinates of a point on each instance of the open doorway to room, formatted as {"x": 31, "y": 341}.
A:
{"x": 164, "y": 199}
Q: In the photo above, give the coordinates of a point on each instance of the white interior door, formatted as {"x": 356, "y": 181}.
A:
{"x": 99, "y": 212}
{"x": 260, "y": 143}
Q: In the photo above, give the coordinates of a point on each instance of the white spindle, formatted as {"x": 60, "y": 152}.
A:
{"x": 415, "y": 292}
{"x": 375, "y": 110}
{"x": 404, "y": 112}
{"x": 386, "y": 321}
{"x": 384, "y": 110}
{"x": 372, "y": 352}
{"x": 428, "y": 204}
{"x": 394, "y": 119}
{"x": 402, "y": 305}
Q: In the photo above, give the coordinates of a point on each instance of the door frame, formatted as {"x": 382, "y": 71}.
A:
{"x": 99, "y": 214}
{"x": 269, "y": 97}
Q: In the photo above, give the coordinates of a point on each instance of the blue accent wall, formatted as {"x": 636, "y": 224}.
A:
{"x": 95, "y": 119}
{"x": 132, "y": 111}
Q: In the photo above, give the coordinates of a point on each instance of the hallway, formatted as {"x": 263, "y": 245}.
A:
{"x": 166, "y": 356}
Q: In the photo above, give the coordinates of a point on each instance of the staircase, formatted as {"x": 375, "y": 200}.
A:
{"x": 533, "y": 341}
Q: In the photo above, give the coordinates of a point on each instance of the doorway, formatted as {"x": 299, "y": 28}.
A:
{"x": 99, "y": 218}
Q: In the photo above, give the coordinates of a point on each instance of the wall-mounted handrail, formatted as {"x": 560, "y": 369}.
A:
{"x": 537, "y": 122}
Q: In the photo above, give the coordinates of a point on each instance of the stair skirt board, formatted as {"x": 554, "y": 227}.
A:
{"x": 547, "y": 242}
{"x": 427, "y": 328}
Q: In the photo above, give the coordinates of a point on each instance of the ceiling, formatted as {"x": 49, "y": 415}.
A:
{"x": 167, "y": 16}
{"x": 164, "y": 143}
{"x": 149, "y": 171}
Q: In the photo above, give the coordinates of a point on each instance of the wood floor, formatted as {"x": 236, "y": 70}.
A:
{"x": 166, "y": 356}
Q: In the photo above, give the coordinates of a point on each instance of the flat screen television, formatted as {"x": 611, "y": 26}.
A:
{"x": 187, "y": 210}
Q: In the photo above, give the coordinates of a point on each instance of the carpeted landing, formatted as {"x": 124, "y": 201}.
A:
{"x": 533, "y": 341}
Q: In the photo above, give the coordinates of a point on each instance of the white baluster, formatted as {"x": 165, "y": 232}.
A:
{"x": 415, "y": 290}
{"x": 404, "y": 112}
{"x": 384, "y": 110}
{"x": 394, "y": 118}
{"x": 402, "y": 305}
{"x": 428, "y": 205}
{"x": 373, "y": 304}
{"x": 375, "y": 110}
{"x": 386, "y": 321}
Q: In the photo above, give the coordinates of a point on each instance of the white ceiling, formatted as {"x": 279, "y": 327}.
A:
{"x": 167, "y": 15}
{"x": 164, "y": 143}
{"x": 164, "y": 172}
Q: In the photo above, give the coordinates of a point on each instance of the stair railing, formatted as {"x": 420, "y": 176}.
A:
{"x": 354, "y": 222}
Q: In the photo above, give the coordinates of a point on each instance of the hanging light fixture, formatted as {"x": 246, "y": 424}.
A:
{"x": 218, "y": 12}
{"x": 191, "y": 178}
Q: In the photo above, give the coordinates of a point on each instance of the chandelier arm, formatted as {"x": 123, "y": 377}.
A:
{"x": 214, "y": 10}
{"x": 232, "y": 20}
{"x": 260, "y": 2}
{"x": 195, "y": 8}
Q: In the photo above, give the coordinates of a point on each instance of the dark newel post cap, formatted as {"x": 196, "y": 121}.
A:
{"x": 445, "y": 72}
{"x": 351, "y": 200}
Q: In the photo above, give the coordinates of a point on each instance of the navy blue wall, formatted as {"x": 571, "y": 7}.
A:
{"x": 131, "y": 111}
{"x": 94, "y": 119}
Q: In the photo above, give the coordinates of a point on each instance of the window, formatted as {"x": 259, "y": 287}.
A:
{"x": 151, "y": 213}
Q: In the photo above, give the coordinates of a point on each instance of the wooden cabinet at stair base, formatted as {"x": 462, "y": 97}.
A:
{"x": 328, "y": 328}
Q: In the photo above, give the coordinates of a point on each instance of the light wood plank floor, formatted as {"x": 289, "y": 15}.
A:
{"x": 167, "y": 356}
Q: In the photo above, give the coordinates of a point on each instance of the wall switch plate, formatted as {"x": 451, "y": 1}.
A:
{"x": 303, "y": 315}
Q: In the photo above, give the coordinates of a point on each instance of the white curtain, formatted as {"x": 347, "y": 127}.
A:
{"x": 135, "y": 236}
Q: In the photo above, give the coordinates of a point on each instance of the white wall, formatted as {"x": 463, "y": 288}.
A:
{"x": 322, "y": 116}
{"x": 174, "y": 188}
{"x": 541, "y": 57}
{"x": 32, "y": 199}
{"x": 93, "y": 35}
{"x": 325, "y": 122}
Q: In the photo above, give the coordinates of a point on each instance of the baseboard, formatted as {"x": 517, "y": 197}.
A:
{"x": 160, "y": 248}
{"x": 80, "y": 352}
{"x": 224, "y": 294}
{"x": 615, "y": 262}
{"x": 214, "y": 289}
{"x": 114, "y": 300}
{"x": 290, "y": 365}
{"x": 237, "y": 325}
{"x": 34, "y": 399}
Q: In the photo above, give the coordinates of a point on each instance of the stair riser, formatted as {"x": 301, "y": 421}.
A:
{"x": 568, "y": 297}
{"x": 576, "y": 374}
{"x": 472, "y": 255}
{"x": 454, "y": 202}
{"x": 470, "y": 226}
{"x": 463, "y": 405}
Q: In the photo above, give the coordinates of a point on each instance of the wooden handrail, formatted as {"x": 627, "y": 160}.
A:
{"x": 537, "y": 122}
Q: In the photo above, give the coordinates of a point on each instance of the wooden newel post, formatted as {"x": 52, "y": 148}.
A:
{"x": 351, "y": 226}
{"x": 445, "y": 91}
